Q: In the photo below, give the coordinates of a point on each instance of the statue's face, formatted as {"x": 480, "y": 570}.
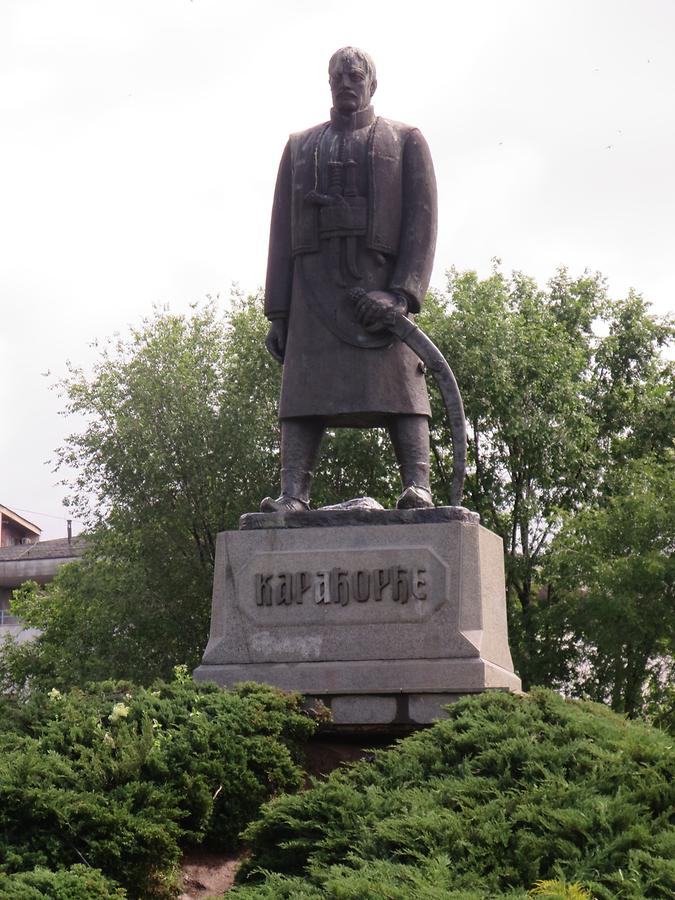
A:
{"x": 350, "y": 85}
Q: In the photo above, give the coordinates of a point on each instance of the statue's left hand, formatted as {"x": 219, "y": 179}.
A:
{"x": 276, "y": 339}
{"x": 377, "y": 310}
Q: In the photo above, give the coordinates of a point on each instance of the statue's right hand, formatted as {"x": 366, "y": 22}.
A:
{"x": 276, "y": 339}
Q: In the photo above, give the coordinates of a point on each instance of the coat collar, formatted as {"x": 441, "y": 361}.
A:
{"x": 353, "y": 121}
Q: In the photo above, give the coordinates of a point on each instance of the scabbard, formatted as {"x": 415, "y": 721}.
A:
{"x": 436, "y": 363}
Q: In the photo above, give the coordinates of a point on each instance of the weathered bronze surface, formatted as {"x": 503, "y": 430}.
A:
{"x": 354, "y": 207}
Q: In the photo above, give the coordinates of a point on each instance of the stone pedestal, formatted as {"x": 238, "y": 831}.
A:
{"x": 385, "y": 616}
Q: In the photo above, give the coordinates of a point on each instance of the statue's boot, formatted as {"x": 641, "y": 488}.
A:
{"x": 416, "y": 488}
{"x": 294, "y": 492}
{"x": 415, "y": 496}
{"x": 410, "y": 437}
{"x": 300, "y": 444}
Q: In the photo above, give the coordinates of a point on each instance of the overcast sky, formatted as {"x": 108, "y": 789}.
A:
{"x": 139, "y": 143}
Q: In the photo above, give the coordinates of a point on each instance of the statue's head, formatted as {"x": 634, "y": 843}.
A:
{"x": 351, "y": 75}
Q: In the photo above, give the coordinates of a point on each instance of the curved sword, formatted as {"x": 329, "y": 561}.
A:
{"x": 436, "y": 363}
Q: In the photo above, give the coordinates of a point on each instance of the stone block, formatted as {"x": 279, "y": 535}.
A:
{"x": 351, "y": 611}
{"x": 369, "y": 709}
{"x": 426, "y": 708}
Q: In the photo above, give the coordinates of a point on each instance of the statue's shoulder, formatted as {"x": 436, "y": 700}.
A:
{"x": 400, "y": 129}
{"x": 308, "y": 136}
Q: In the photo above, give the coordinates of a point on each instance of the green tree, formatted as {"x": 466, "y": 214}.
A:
{"x": 560, "y": 386}
{"x": 614, "y": 574}
{"x": 180, "y": 439}
{"x": 177, "y": 417}
{"x": 177, "y": 441}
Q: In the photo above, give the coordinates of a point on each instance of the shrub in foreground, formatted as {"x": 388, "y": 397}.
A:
{"x": 506, "y": 792}
{"x": 76, "y": 883}
{"x": 122, "y": 778}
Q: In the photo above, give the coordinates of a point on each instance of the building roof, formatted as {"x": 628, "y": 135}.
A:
{"x": 19, "y": 520}
{"x": 60, "y": 548}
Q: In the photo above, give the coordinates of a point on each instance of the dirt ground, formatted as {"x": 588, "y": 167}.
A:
{"x": 208, "y": 875}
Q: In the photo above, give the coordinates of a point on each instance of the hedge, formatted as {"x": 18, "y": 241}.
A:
{"x": 505, "y": 792}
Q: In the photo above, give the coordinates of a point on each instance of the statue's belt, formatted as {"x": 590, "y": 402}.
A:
{"x": 342, "y": 218}
{"x": 342, "y": 221}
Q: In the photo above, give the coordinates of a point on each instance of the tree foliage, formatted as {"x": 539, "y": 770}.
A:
{"x": 613, "y": 570}
{"x": 179, "y": 438}
{"x": 562, "y": 388}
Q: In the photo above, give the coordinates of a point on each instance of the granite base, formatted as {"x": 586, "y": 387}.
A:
{"x": 384, "y": 620}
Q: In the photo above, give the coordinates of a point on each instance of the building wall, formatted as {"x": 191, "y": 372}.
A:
{"x": 5, "y": 616}
{"x": 35, "y": 561}
{"x": 18, "y": 632}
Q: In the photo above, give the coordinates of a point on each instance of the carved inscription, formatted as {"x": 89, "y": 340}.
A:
{"x": 340, "y": 586}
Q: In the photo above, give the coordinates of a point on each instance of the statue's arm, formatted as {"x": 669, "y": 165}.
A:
{"x": 279, "y": 281}
{"x": 419, "y": 220}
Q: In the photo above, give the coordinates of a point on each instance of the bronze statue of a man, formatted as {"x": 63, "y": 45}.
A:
{"x": 354, "y": 208}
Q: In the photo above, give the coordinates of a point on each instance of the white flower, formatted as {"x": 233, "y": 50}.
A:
{"x": 119, "y": 711}
{"x": 55, "y": 694}
{"x": 181, "y": 674}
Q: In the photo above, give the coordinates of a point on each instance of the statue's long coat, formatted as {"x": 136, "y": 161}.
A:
{"x": 333, "y": 368}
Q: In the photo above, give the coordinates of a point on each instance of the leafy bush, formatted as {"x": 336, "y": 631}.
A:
{"x": 559, "y": 890}
{"x": 121, "y": 777}
{"x": 506, "y": 792}
{"x": 428, "y": 879}
{"x": 76, "y": 883}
